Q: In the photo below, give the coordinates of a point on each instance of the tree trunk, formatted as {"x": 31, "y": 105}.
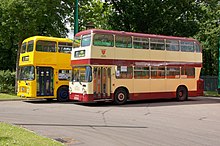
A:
{"x": 17, "y": 65}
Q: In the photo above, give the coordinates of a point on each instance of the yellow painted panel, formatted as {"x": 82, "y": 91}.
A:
{"x": 172, "y": 56}
{"x": 191, "y": 84}
{"x": 157, "y": 55}
{"x": 124, "y": 53}
{"x": 158, "y": 85}
{"x": 172, "y": 84}
{"x": 141, "y": 85}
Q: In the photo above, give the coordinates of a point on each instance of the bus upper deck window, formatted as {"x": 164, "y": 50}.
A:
{"x": 23, "y": 48}
{"x": 123, "y": 41}
{"x": 30, "y": 46}
{"x": 46, "y": 46}
{"x": 76, "y": 42}
{"x": 172, "y": 45}
{"x": 106, "y": 40}
{"x": 64, "y": 47}
{"x": 197, "y": 47}
{"x": 86, "y": 40}
{"x": 140, "y": 43}
{"x": 186, "y": 46}
{"x": 157, "y": 44}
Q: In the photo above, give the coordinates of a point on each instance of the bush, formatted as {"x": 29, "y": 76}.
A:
{"x": 7, "y": 81}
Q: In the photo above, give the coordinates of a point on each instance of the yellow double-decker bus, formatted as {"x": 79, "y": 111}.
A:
{"x": 119, "y": 66}
{"x": 44, "y": 68}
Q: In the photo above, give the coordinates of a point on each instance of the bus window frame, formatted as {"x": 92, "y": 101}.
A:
{"x": 142, "y": 43}
{"x": 61, "y": 47}
{"x": 123, "y": 44}
{"x": 171, "y": 43}
{"x": 28, "y": 43}
{"x": 43, "y": 46}
{"x": 184, "y": 46}
{"x": 87, "y": 43}
{"x": 28, "y": 79}
{"x": 157, "y": 43}
{"x": 23, "y": 50}
{"x": 108, "y": 37}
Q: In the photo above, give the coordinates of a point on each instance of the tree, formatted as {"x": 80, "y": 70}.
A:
{"x": 21, "y": 19}
{"x": 94, "y": 12}
{"x": 209, "y": 35}
{"x": 169, "y": 17}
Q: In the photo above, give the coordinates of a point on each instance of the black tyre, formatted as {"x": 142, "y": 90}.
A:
{"x": 121, "y": 96}
{"x": 63, "y": 94}
{"x": 181, "y": 93}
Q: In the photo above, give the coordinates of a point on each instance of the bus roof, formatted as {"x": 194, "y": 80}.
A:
{"x": 47, "y": 38}
{"x": 133, "y": 34}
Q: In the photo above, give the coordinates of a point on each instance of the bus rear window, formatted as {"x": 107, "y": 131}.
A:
{"x": 86, "y": 40}
{"x": 46, "y": 46}
{"x": 197, "y": 47}
{"x": 64, "y": 47}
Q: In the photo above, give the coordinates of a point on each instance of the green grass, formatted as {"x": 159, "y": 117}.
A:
{"x": 8, "y": 96}
{"x": 11, "y": 135}
{"x": 211, "y": 93}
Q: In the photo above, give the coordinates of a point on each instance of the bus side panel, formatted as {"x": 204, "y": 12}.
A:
{"x": 141, "y": 89}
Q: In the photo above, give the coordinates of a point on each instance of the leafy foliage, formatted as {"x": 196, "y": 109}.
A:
{"x": 21, "y": 19}
{"x": 169, "y": 17}
{"x": 7, "y": 81}
{"x": 209, "y": 36}
{"x": 94, "y": 12}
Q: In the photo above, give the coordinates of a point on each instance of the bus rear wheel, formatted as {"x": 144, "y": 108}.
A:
{"x": 63, "y": 94}
{"x": 120, "y": 97}
{"x": 181, "y": 93}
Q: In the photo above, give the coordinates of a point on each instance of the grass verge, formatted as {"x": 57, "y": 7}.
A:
{"x": 8, "y": 97}
{"x": 211, "y": 93}
{"x": 11, "y": 135}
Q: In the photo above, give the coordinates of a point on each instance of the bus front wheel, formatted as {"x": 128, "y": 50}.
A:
{"x": 181, "y": 93}
{"x": 63, "y": 94}
{"x": 121, "y": 96}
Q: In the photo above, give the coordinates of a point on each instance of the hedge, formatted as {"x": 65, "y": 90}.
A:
{"x": 7, "y": 81}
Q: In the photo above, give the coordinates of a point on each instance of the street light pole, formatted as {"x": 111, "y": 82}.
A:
{"x": 76, "y": 21}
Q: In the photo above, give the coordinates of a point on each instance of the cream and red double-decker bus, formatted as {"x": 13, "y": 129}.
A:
{"x": 44, "y": 68}
{"x": 119, "y": 66}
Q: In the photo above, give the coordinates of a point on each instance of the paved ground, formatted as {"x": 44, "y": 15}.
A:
{"x": 153, "y": 123}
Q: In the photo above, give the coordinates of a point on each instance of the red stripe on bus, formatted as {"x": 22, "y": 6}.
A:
{"x": 132, "y": 96}
{"x": 133, "y": 62}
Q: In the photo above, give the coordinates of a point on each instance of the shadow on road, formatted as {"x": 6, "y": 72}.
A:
{"x": 143, "y": 103}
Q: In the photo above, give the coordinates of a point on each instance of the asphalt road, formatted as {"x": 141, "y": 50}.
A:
{"x": 150, "y": 123}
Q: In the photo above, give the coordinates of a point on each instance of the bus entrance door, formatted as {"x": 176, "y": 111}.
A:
{"x": 102, "y": 82}
{"x": 45, "y": 81}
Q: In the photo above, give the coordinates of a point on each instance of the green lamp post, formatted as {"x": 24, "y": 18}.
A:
{"x": 76, "y": 21}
